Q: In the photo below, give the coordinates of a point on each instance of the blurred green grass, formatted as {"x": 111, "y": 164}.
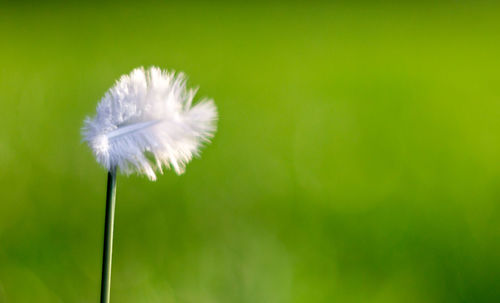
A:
{"x": 356, "y": 158}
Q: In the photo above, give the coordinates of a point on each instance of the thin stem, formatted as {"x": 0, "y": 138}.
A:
{"x": 108, "y": 236}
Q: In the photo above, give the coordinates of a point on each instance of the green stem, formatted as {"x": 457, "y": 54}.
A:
{"x": 108, "y": 236}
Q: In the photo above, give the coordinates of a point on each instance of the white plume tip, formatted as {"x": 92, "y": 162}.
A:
{"x": 147, "y": 121}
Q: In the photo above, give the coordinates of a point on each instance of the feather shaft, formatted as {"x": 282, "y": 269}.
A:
{"x": 131, "y": 128}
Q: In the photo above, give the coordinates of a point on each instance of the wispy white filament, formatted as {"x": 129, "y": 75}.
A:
{"x": 146, "y": 121}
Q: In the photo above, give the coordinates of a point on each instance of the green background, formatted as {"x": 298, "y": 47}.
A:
{"x": 357, "y": 156}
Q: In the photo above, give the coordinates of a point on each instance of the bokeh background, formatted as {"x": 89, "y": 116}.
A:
{"x": 357, "y": 156}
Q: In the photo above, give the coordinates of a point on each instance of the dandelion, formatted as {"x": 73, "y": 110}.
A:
{"x": 146, "y": 122}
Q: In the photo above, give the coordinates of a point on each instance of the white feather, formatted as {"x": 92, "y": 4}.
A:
{"x": 146, "y": 121}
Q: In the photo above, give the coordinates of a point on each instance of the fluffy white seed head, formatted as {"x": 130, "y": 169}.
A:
{"x": 146, "y": 121}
